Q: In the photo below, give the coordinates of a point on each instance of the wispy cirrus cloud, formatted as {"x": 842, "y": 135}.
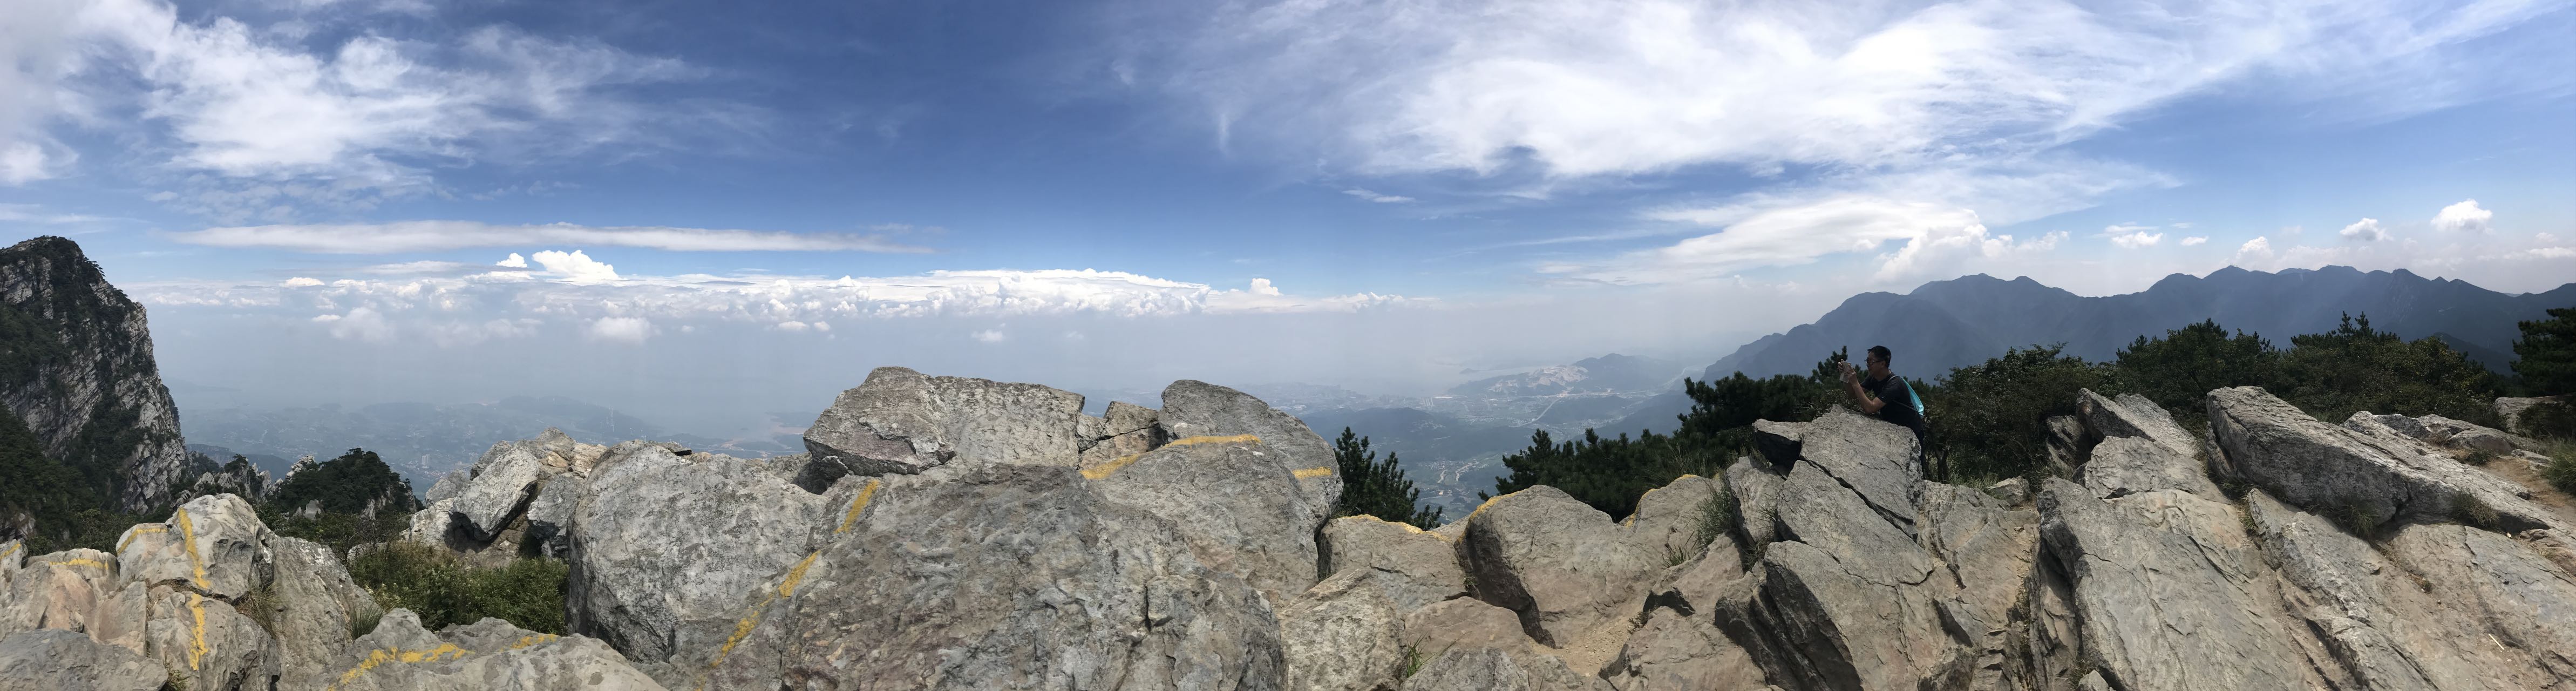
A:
{"x": 427, "y": 236}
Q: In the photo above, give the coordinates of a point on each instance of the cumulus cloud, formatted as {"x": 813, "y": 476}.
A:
{"x": 1262, "y": 286}
{"x": 360, "y": 324}
{"x": 2464, "y": 217}
{"x": 989, "y": 336}
{"x": 2195, "y": 241}
{"x": 622, "y": 329}
{"x": 2365, "y": 230}
{"x": 302, "y": 282}
{"x": 513, "y": 261}
{"x": 574, "y": 266}
{"x": 2130, "y": 237}
{"x": 430, "y": 236}
{"x": 2257, "y": 249}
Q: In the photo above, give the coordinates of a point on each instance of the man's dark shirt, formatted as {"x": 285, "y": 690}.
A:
{"x": 1894, "y": 405}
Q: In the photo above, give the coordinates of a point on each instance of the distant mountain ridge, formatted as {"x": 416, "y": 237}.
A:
{"x": 1963, "y": 321}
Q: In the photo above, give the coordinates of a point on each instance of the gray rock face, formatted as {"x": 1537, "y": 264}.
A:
{"x": 1985, "y": 544}
{"x": 1679, "y": 646}
{"x": 75, "y": 590}
{"x": 1416, "y": 567}
{"x": 666, "y": 545}
{"x": 1819, "y": 622}
{"x": 998, "y": 576}
{"x": 311, "y": 606}
{"x": 505, "y": 479}
{"x": 2380, "y": 625}
{"x": 2444, "y": 432}
{"x": 58, "y": 660}
{"x": 1877, "y": 459}
{"x": 1127, "y": 430}
{"x": 2313, "y": 464}
{"x": 902, "y": 421}
{"x": 1757, "y": 487}
{"x": 1463, "y": 623}
{"x": 213, "y": 545}
{"x": 2511, "y": 409}
{"x": 1343, "y": 635}
{"x": 1497, "y": 669}
{"x": 1562, "y": 565}
{"x": 2121, "y": 466}
{"x": 1235, "y": 500}
{"x": 2132, "y": 415}
{"x": 2495, "y": 588}
{"x": 90, "y": 368}
{"x": 489, "y": 654}
{"x": 448, "y": 486}
{"x": 2169, "y": 592}
{"x": 1194, "y": 408}
{"x": 206, "y": 643}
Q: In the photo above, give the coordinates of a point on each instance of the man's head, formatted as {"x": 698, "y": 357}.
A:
{"x": 1877, "y": 362}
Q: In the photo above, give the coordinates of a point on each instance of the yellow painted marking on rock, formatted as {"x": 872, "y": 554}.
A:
{"x": 525, "y": 641}
{"x": 81, "y": 562}
{"x": 13, "y": 549}
{"x": 1312, "y": 473}
{"x": 136, "y": 532}
{"x": 786, "y": 588}
{"x": 197, "y": 651}
{"x": 1105, "y": 469}
{"x": 380, "y": 657}
{"x": 188, "y": 539}
{"x": 1203, "y": 439}
{"x": 865, "y": 493}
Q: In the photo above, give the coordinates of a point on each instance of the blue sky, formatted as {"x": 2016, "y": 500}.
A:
{"x": 309, "y": 193}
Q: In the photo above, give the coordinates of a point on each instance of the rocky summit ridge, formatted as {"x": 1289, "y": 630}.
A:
{"x": 954, "y": 533}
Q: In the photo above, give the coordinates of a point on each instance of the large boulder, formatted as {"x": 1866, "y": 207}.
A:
{"x": 2445, "y": 432}
{"x": 1679, "y": 645}
{"x": 902, "y": 421}
{"x": 1756, "y": 485}
{"x": 1822, "y": 622}
{"x": 1463, "y": 623}
{"x": 1127, "y": 430}
{"x": 1498, "y": 669}
{"x": 1878, "y": 460}
{"x": 2386, "y": 627}
{"x": 1416, "y": 567}
{"x": 489, "y": 654}
{"x": 1234, "y": 499}
{"x": 1562, "y": 565}
{"x": 311, "y": 605}
{"x": 76, "y": 590}
{"x": 1193, "y": 408}
{"x": 505, "y": 479}
{"x": 2486, "y": 587}
{"x": 448, "y": 486}
{"x": 1984, "y": 543}
{"x": 2315, "y": 465}
{"x": 58, "y": 660}
{"x": 205, "y": 643}
{"x": 2121, "y": 466}
{"x": 2132, "y": 415}
{"x": 1343, "y": 635}
{"x": 665, "y": 546}
{"x": 210, "y": 545}
{"x": 997, "y": 576}
{"x": 2169, "y": 592}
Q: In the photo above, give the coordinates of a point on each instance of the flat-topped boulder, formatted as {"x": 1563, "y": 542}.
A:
{"x": 2314, "y": 465}
{"x": 902, "y": 421}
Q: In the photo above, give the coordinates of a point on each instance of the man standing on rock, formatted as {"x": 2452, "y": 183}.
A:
{"x": 1887, "y": 396}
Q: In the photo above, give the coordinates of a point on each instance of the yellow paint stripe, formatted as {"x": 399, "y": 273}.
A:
{"x": 13, "y": 549}
{"x": 1312, "y": 473}
{"x": 188, "y": 539}
{"x": 138, "y": 531}
{"x": 525, "y": 641}
{"x": 81, "y": 562}
{"x": 197, "y": 651}
{"x": 1106, "y": 469}
{"x": 1203, "y": 439}
{"x": 380, "y": 657}
{"x": 865, "y": 494}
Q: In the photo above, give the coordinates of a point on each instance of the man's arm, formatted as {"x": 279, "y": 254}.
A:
{"x": 1851, "y": 384}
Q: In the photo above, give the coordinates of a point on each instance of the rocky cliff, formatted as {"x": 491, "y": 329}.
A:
{"x": 952, "y": 533}
{"x": 76, "y": 364}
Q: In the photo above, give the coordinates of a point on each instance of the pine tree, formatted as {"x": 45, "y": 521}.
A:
{"x": 2545, "y": 356}
{"x": 1371, "y": 487}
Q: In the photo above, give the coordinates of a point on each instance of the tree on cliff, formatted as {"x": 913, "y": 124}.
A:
{"x": 2546, "y": 353}
{"x": 1371, "y": 487}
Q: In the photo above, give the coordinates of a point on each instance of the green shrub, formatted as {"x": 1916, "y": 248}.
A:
{"x": 2478, "y": 457}
{"x": 2354, "y": 516}
{"x": 528, "y": 593}
{"x": 338, "y": 531}
{"x": 2561, "y": 471}
{"x": 345, "y": 485}
{"x": 2472, "y": 511}
{"x": 1992, "y": 418}
{"x": 2548, "y": 420}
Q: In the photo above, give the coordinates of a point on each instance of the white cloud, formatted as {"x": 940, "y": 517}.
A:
{"x": 2129, "y": 237}
{"x": 1375, "y": 197}
{"x": 574, "y": 266}
{"x": 1613, "y": 87}
{"x": 2255, "y": 250}
{"x": 360, "y": 324}
{"x": 2195, "y": 241}
{"x": 989, "y": 336}
{"x": 626, "y": 329}
{"x": 2365, "y": 230}
{"x": 513, "y": 261}
{"x": 1933, "y": 236}
{"x": 362, "y": 116}
{"x": 1262, "y": 286}
{"x": 793, "y": 326}
{"x": 2464, "y": 217}
{"x": 302, "y": 282}
{"x": 428, "y": 236}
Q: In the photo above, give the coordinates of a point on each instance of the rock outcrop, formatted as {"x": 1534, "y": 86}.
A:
{"x": 489, "y": 654}
{"x": 2374, "y": 478}
{"x": 902, "y": 421}
{"x": 88, "y": 387}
